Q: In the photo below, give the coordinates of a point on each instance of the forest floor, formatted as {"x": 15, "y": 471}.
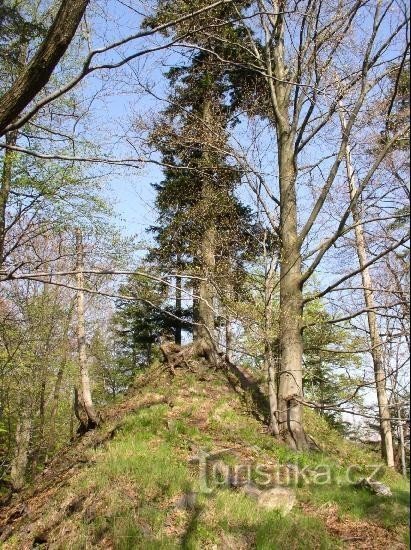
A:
{"x": 137, "y": 483}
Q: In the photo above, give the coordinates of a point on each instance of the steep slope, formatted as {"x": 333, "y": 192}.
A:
{"x": 137, "y": 481}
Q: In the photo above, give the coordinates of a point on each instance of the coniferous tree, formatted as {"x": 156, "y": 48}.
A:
{"x": 202, "y": 226}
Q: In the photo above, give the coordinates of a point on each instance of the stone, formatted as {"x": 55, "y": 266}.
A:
{"x": 375, "y": 487}
{"x": 277, "y": 498}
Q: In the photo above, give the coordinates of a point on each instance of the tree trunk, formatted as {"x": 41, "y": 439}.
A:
{"x": 86, "y": 399}
{"x": 402, "y": 444}
{"x": 53, "y": 410}
{"x": 11, "y": 139}
{"x": 291, "y": 303}
{"x": 270, "y": 363}
{"x": 196, "y": 290}
{"x": 387, "y": 447}
{"x": 20, "y": 459}
{"x": 228, "y": 340}
{"x": 206, "y": 290}
{"x": 206, "y": 328}
{"x": 40, "y": 445}
{"x": 38, "y": 72}
{"x": 179, "y": 311}
{"x": 149, "y": 353}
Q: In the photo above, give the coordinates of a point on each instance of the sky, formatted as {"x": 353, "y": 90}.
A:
{"x": 121, "y": 112}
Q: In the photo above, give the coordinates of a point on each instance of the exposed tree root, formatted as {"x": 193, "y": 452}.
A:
{"x": 182, "y": 356}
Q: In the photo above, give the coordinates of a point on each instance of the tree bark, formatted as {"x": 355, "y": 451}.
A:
{"x": 179, "y": 312}
{"x": 402, "y": 443}
{"x": 206, "y": 290}
{"x": 149, "y": 353}
{"x": 86, "y": 399}
{"x": 270, "y": 363}
{"x": 38, "y": 72}
{"x": 290, "y": 416}
{"x": 11, "y": 139}
{"x": 20, "y": 459}
{"x": 196, "y": 290}
{"x": 387, "y": 447}
{"x": 53, "y": 409}
{"x": 206, "y": 328}
{"x": 228, "y": 340}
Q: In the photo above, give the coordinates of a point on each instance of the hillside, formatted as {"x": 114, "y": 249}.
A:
{"x": 135, "y": 483}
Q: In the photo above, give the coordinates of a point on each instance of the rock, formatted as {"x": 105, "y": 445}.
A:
{"x": 375, "y": 487}
{"x": 277, "y": 498}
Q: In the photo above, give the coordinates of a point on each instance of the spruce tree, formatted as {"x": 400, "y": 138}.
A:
{"x": 201, "y": 226}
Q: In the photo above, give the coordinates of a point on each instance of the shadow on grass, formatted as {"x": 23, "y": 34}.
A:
{"x": 360, "y": 503}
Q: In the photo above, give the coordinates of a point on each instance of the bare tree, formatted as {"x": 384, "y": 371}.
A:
{"x": 296, "y": 53}
{"x": 375, "y": 340}
{"x": 85, "y": 398}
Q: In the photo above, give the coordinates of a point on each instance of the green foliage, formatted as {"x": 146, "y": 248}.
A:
{"x": 198, "y": 190}
{"x": 59, "y": 194}
{"x": 329, "y": 354}
{"x": 137, "y": 324}
{"x": 16, "y": 32}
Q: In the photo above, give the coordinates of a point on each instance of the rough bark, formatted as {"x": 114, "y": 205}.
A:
{"x": 206, "y": 328}
{"x": 206, "y": 291}
{"x": 86, "y": 398}
{"x": 11, "y": 139}
{"x": 228, "y": 340}
{"x": 179, "y": 311}
{"x": 38, "y": 72}
{"x": 387, "y": 447}
{"x": 290, "y": 416}
{"x": 195, "y": 311}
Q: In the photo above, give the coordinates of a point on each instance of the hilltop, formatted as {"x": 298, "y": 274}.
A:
{"x": 136, "y": 482}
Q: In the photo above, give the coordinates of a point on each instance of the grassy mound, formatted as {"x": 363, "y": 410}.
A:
{"x": 144, "y": 487}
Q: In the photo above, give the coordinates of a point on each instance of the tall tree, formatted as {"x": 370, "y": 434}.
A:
{"x": 370, "y": 302}
{"x": 84, "y": 397}
{"x": 203, "y": 225}
{"x": 295, "y": 58}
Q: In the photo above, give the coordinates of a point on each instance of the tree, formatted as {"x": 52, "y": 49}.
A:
{"x": 84, "y": 397}
{"x": 304, "y": 84}
{"x": 375, "y": 340}
{"x": 38, "y": 71}
{"x": 202, "y": 225}
{"x": 138, "y": 323}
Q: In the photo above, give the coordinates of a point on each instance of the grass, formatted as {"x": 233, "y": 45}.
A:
{"x": 229, "y": 519}
{"x": 130, "y": 487}
{"x": 147, "y": 456}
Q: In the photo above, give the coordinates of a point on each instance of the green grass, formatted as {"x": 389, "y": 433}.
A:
{"x": 146, "y": 455}
{"x": 132, "y": 483}
{"x": 230, "y": 519}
